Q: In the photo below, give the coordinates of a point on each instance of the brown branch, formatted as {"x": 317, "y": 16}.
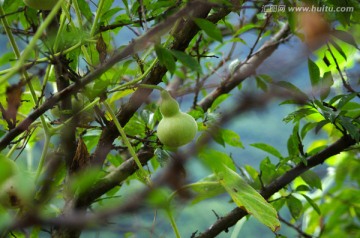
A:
{"x": 246, "y": 69}
{"x": 76, "y": 219}
{"x": 236, "y": 214}
{"x": 170, "y": 175}
{"x": 297, "y": 229}
{"x": 113, "y": 179}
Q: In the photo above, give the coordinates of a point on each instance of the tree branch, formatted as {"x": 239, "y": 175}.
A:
{"x": 236, "y": 214}
{"x": 113, "y": 179}
{"x": 246, "y": 69}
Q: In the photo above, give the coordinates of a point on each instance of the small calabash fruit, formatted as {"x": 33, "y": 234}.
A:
{"x": 176, "y": 128}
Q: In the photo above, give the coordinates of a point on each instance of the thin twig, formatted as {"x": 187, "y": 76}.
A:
{"x": 297, "y": 229}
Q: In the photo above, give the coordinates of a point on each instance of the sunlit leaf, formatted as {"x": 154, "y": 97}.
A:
{"x": 248, "y": 198}
{"x": 206, "y": 188}
{"x": 231, "y": 138}
{"x": 213, "y": 159}
{"x": 218, "y": 101}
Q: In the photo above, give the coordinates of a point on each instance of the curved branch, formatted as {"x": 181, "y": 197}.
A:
{"x": 113, "y": 179}
{"x": 247, "y": 68}
{"x": 236, "y": 214}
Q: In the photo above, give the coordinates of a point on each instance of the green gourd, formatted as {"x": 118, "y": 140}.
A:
{"x": 41, "y": 4}
{"x": 16, "y": 189}
{"x": 175, "y": 128}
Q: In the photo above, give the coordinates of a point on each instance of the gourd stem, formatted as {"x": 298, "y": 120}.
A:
{"x": 127, "y": 143}
{"x": 173, "y": 223}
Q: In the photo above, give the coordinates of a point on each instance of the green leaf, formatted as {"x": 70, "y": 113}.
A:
{"x": 245, "y": 28}
{"x": 299, "y": 114}
{"x": 85, "y": 10}
{"x": 292, "y": 19}
{"x": 84, "y": 180}
{"x": 312, "y": 179}
{"x": 110, "y": 14}
{"x": 291, "y": 87}
{"x": 278, "y": 203}
{"x": 217, "y": 136}
{"x": 306, "y": 128}
{"x": 350, "y": 127}
{"x": 8, "y": 168}
{"x": 338, "y": 48}
{"x": 254, "y": 177}
{"x": 345, "y": 99}
{"x": 314, "y": 73}
{"x": 206, "y": 188}
{"x": 326, "y": 82}
{"x": 231, "y": 138}
{"x": 320, "y": 125}
{"x": 267, "y": 148}
{"x": 159, "y": 198}
{"x": 218, "y": 101}
{"x": 165, "y": 58}
{"x": 213, "y": 159}
{"x": 312, "y": 203}
{"x": 295, "y": 206}
{"x": 268, "y": 171}
{"x": 162, "y": 156}
{"x": 293, "y": 143}
{"x": 135, "y": 126}
{"x": 346, "y": 37}
{"x": 209, "y": 28}
{"x": 248, "y": 198}
{"x": 187, "y": 60}
{"x": 302, "y": 187}
{"x": 261, "y": 84}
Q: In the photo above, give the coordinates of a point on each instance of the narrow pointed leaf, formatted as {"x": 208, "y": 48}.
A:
{"x": 314, "y": 73}
{"x": 209, "y": 28}
{"x": 267, "y": 148}
{"x": 346, "y": 37}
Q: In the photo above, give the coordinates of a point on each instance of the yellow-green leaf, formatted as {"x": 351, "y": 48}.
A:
{"x": 248, "y": 198}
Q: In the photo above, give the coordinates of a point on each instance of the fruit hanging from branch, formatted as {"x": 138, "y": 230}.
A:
{"x": 176, "y": 128}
